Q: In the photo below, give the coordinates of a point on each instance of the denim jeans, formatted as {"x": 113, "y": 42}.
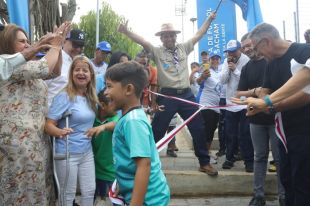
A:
{"x": 81, "y": 166}
{"x": 261, "y": 135}
{"x": 221, "y": 127}
{"x": 295, "y": 169}
{"x": 238, "y": 131}
{"x": 196, "y": 126}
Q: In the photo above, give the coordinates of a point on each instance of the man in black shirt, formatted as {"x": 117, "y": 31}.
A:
{"x": 292, "y": 125}
{"x": 261, "y": 125}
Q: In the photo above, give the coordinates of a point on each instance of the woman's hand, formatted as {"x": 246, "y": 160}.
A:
{"x": 61, "y": 133}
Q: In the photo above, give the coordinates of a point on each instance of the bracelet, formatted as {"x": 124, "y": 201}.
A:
{"x": 268, "y": 101}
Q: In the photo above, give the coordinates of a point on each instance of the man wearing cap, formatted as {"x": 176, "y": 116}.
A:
{"x": 173, "y": 80}
{"x": 72, "y": 47}
{"x": 103, "y": 49}
{"x": 236, "y": 125}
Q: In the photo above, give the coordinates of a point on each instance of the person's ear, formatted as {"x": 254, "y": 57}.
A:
{"x": 130, "y": 89}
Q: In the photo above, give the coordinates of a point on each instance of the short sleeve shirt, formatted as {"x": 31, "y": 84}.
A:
{"x": 132, "y": 138}
{"x": 252, "y": 76}
{"x": 81, "y": 119}
{"x": 170, "y": 74}
{"x": 295, "y": 121}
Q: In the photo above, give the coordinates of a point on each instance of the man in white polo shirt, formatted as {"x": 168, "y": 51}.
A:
{"x": 72, "y": 47}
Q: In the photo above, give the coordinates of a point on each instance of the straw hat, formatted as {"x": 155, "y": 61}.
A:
{"x": 168, "y": 27}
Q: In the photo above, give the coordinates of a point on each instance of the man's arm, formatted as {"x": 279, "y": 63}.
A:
{"x": 300, "y": 99}
{"x": 141, "y": 181}
{"x": 293, "y": 85}
{"x": 203, "y": 29}
{"x": 123, "y": 28}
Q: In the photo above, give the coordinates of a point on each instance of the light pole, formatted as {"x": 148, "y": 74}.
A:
{"x": 193, "y": 21}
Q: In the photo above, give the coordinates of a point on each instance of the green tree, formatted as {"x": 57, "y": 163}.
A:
{"x": 108, "y": 25}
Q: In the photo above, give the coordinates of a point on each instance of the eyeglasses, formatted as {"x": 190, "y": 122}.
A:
{"x": 258, "y": 43}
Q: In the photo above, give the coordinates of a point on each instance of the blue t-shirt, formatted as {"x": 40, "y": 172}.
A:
{"x": 80, "y": 120}
{"x": 133, "y": 137}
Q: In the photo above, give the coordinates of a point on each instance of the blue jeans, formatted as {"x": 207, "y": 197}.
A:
{"x": 261, "y": 135}
{"x": 237, "y": 130}
{"x": 161, "y": 122}
{"x": 221, "y": 127}
{"x": 295, "y": 170}
{"x": 81, "y": 166}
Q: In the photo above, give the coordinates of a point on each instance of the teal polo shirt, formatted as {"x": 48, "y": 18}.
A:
{"x": 132, "y": 138}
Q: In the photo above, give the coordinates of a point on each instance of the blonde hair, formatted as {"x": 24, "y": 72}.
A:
{"x": 90, "y": 92}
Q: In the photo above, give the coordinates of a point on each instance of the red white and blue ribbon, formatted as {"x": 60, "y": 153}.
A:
{"x": 279, "y": 130}
{"x": 161, "y": 144}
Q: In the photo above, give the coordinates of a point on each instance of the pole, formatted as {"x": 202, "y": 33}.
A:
{"x": 295, "y": 26}
{"x": 193, "y": 21}
{"x": 297, "y": 21}
{"x": 97, "y": 24}
{"x": 284, "y": 32}
{"x": 182, "y": 13}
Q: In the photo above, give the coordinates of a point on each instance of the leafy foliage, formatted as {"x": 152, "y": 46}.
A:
{"x": 108, "y": 25}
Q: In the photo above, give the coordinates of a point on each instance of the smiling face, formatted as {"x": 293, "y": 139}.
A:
{"x": 168, "y": 39}
{"x": 116, "y": 92}
{"x": 81, "y": 74}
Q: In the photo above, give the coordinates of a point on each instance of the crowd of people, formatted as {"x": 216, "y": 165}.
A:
{"x": 106, "y": 118}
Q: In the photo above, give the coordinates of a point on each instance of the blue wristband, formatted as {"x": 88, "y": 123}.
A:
{"x": 268, "y": 101}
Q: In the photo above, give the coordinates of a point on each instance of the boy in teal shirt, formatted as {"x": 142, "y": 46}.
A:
{"x": 137, "y": 164}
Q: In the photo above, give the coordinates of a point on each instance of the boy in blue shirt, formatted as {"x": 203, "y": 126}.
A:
{"x": 137, "y": 164}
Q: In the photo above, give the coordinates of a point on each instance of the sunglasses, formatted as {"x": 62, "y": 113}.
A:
{"x": 75, "y": 45}
{"x": 1, "y": 27}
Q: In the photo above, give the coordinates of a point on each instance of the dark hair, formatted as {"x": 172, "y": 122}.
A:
{"x": 8, "y": 37}
{"x": 116, "y": 56}
{"x": 102, "y": 97}
{"x": 195, "y": 63}
{"x": 129, "y": 73}
{"x": 307, "y": 36}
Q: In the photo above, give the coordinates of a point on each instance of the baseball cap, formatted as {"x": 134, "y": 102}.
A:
{"x": 214, "y": 53}
{"x": 232, "y": 45}
{"x": 104, "y": 46}
{"x": 77, "y": 36}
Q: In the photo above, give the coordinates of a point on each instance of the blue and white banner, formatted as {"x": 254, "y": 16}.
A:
{"x": 251, "y": 12}
{"x": 19, "y": 13}
{"x": 222, "y": 29}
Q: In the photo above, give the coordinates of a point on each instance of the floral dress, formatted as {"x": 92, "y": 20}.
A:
{"x": 25, "y": 152}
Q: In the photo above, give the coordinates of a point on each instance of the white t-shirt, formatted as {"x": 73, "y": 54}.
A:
{"x": 57, "y": 84}
{"x": 295, "y": 67}
{"x": 210, "y": 90}
{"x": 100, "y": 70}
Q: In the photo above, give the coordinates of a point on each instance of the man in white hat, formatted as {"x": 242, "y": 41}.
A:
{"x": 173, "y": 80}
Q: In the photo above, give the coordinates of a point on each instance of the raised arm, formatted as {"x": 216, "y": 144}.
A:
{"x": 204, "y": 28}
{"x": 123, "y": 28}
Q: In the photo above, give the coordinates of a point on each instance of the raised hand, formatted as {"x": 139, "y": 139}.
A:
{"x": 123, "y": 28}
